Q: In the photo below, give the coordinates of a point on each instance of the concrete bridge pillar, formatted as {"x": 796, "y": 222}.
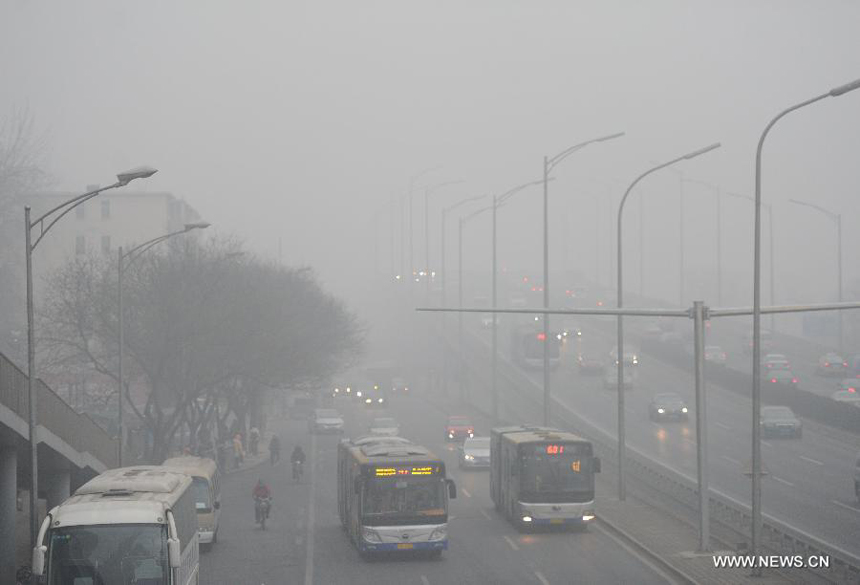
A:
{"x": 8, "y": 511}
{"x": 57, "y": 487}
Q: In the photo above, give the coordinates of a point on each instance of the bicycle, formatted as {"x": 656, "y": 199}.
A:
{"x": 297, "y": 470}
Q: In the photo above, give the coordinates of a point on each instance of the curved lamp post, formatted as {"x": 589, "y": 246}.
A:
{"x": 620, "y": 302}
{"x": 44, "y": 223}
{"x": 755, "y": 469}
{"x": 124, "y": 260}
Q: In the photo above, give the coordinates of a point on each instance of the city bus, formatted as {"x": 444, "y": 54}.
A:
{"x": 393, "y": 496}
{"x": 127, "y": 525}
{"x": 206, "y": 485}
{"x": 542, "y": 476}
{"x": 527, "y": 343}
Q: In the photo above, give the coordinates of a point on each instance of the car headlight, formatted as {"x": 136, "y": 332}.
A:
{"x": 635, "y": 361}
{"x": 368, "y": 401}
{"x": 527, "y": 518}
{"x": 450, "y": 434}
{"x": 661, "y": 410}
{"x": 468, "y": 457}
{"x": 587, "y": 517}
{"x": 370, "y": 535}
{"x": 684, "y": 409}
{"x": 440, "y": 533}
{"x": 381, "y": 400}
{"x": 337, "y": 390}
{"x": 358, "y": 393}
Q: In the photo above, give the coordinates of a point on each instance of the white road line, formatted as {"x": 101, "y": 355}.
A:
{"x": 816, "y": 461}
{"x": 689, "y": 440}
{"x": 766, "y": 444}
{"x": 309, "y": 548}
{"x": 780, "y": 480}
{"x": 425, "y": 580}
{"x": 511, "y": 542}
{"x": 722, "y": 426}
{"x": 846, "y": 506}
{"x": 635, "y": 553}
{"x": 541, "y": 578}
{"x": 466, "y": 492}
{"x": 484, "y": 513}
{"x": 729, "y": 459}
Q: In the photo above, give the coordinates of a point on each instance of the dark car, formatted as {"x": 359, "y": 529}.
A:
{"x": 459, "y": 428}
{"x": 780, "y": 421}
{"x": 781, "y": 377}
{"x": 832, "y": 364}
{"x": 668, "y": 406}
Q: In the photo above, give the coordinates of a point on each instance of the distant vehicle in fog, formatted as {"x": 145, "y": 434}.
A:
{"x": 631, "y": 356}
{"x": 780, "y": 421}
{"x": 475, "y": 453}
{"x": 832, "y": 364}
{"x": 775, "y": 361}
{"x": 399, "y": 386}
{"x": 715, "y": 355}
{"x": 459, "y": 428}
{"x": 589, "y": 364}
{"x": 384, "y": 426}
{"x": 373, "y": 397}
{"x": 849, "y": 385}
{"x": 342, "y": 391}
{"x": 667, "y": 406}
{"x": 527, "y": 347}
{"x": 325, "y": 420}
{"x": 852, "y": 397}
{"x": 781, "y": 376}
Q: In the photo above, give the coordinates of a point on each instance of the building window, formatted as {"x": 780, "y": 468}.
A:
{"x": 105, "y": 244}
{"x": 81, "y": 211}
{"x": 80, "y": 245}
{"x": 106, "y": 209}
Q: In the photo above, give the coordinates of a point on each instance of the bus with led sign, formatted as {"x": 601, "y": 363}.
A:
{"x": 393, "y": 496}
{"x": 542, "y": 476}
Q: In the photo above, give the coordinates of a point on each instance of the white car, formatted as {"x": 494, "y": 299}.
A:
{"x": 325, "y": 420}
{"x": 475, "y": 453}
{"x": 384, "y": 427}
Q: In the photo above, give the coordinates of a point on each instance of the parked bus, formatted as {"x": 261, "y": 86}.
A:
{"x": 542, "y": 476}
{"x": 393, "y": 496}
{"x": 206, "y": 485}
{"x": 127, "y": 525}
{"x": 527, "y": 343}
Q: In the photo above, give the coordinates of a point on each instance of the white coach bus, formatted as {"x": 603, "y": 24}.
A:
{"x": 133, "y": 525}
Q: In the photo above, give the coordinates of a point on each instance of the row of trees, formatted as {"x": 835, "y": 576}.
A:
{"x": 207, "y": 329}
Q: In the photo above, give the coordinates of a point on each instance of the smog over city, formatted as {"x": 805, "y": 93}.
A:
{"x": 429, "y": 292}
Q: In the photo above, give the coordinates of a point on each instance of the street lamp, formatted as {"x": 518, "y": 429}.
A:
{"x": 427, "y": 192}
{"x": 756, "y": 392}
{"x": 124, "y": 260}
{"x": 620, "y": 302}
{"x": 548, "y": 165}
{"x": 408, "y": 194}
{"x": 837, "y": 219}
{"x": 50, "y": 218}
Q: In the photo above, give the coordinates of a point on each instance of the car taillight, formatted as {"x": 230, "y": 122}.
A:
{"x": 851, "y": 390}
{"x": 826, "y": 364}
{"x": 773, "y": 380}
{"x": 794, "y": 380}
{"x": 844, "y": 364}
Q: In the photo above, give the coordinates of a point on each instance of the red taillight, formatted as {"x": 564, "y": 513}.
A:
{"x": 773, "y": 380}
{"x": 541, "y": 337}
{"x": 599, "y": 303}
{"x": 794, "y": 380}
{"x": 844, "y": 364}
{"x": 851, "y": 390}
{"x": 826, "y": 364}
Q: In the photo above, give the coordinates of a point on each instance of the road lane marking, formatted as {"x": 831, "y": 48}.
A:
{"x": 766, "y": 444}
{"x": 645, "y": 560}
{"x": 689, "y": 440}
{"x": 722, "y": 426}
{"x": 541, "y": 578}
{"x": 511, "y": 542}
{"x": 484, "y": 513}
{"x": 466, "y": 492}
{"x": 846, "y": 506}
{"x": 729, "y": 459}
{"x": 309, "y": 548}
{"x": 816, "y": 461}
{"x": 780, "y": 480}
{"x": 425, "y": 580}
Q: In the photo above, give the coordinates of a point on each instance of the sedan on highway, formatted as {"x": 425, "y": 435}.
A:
{"x": 667, "y": 406}
{"x": 399, "y": 386}
{"x": 780, "y": 421}
{"x": 610, "y": 378}
{"x": 475, "y": 453}
{"x": 385, "y": 427}
{"x": 848, "y": 385}
{"x": 832, "y": 364}
{"x": 631, "y": 356}
{"x": 846, "y": 396}
{"x": 715, "y": 355}
{"x": 325, "y": 420}
{"x": 459, "y": 428}
{"x": 781, "y": 376}
{"x": 776, "y": 361}
{"x": 589, "y": 364}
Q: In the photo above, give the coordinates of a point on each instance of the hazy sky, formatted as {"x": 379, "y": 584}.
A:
{"x": 300, "y": 121}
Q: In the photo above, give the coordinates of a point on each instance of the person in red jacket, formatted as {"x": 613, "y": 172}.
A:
{"x": 261, "y": 490}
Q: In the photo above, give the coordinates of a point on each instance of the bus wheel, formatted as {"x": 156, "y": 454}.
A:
{"x": 435, "y": 554}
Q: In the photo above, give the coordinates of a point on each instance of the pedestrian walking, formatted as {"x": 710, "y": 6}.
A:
{"x": 254, "y": 440}
{"x": 238, "y": 451}
{"x": 275, "y": 449}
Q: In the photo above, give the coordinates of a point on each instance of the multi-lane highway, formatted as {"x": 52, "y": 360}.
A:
{"x": 304, "y": 542}
{"x": 810, "y": 485}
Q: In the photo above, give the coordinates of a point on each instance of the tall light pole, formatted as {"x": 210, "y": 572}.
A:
{"x": 403, "y": 231}
{"x": 44, "y": 223}
{"x": 124, "y": 260}
{"x": 548, "y": 165}
{"x": 769, "y": 209}
{"x": 756, "y": 391}
{"x": 620, "y": 302}
{"x": 837, "y": 219}
{"x": 427, "y": 192}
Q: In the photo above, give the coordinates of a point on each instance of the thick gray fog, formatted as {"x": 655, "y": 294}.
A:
{"x": 296, "y": 124}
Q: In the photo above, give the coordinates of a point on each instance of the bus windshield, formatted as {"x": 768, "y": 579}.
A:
{"x": 404, "y": 500}
{"x": 554, "y": 468}
{"x": 200, "y": 488}
{"x": 121, "y": 554}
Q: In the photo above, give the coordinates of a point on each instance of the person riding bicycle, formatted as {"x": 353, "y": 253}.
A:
{"x": 261, "y": 490}
{"x": 298, "y": 459}
{"x": 275, "y": 449}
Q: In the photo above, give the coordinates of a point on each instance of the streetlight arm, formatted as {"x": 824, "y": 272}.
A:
{"x": 552, "y": 162}
{"x": 826, "y": 212}
{"x": 510, "y": 193}
{"x": 65, "y": 207}
{"x": 144, "y": 247}
{"x": 466, "y": 218}
{"x": 463, "y": 202}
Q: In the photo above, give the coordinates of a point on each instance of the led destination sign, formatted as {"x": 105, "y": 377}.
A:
{"x": 405, "y": 471}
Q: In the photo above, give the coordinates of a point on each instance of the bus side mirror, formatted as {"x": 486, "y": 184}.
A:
{"x": 217, "y": 505}
{"x": 452, "y": 489}
{"x": 356, "y": 486}
{"x": 596, "y": 464}
{"x": 39, "y": 560}
{"x": 174, "y": 553}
